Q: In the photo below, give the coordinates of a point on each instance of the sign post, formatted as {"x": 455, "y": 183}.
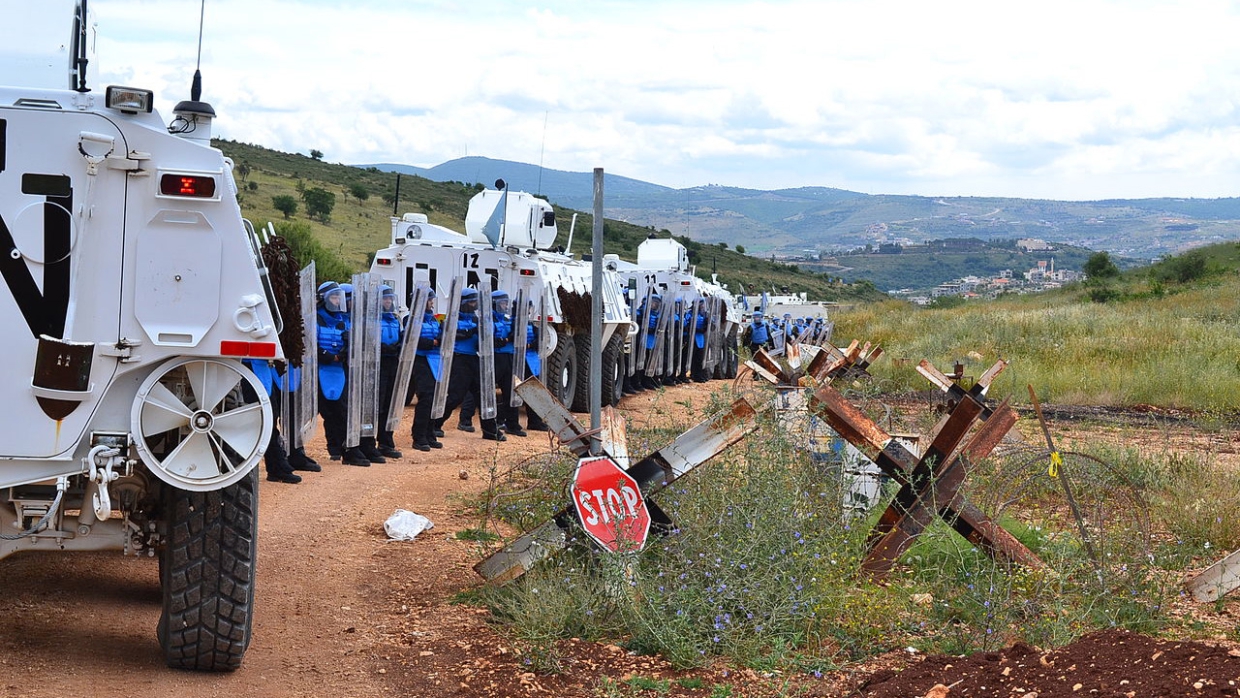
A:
{"x": 610, "y": 505}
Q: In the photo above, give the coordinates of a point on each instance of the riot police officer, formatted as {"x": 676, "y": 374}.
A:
{"x": 333, "y": 340}
{"x": 466, "y": 375}
{"x": 427, "y": 371}
{"x": 759, "y": 332}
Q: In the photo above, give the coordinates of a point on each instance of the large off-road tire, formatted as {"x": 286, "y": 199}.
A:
{"x": 207, "y": 575}
{"x": 613, "y": 370}
{"x": 561, "y": 370}
{"x": 581, "y": 394}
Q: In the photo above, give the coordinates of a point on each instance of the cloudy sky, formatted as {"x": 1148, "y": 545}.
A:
{"x": 1072, "y": 99}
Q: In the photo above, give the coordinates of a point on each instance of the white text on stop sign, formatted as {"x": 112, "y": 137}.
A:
{"x": 620, "y": 504}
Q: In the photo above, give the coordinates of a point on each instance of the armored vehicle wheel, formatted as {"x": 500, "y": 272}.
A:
{"x": 207, "y": 575}
{"x": 581, "y": 391}
{"x": 197, "y": 426}
{"x": 613, "y": 370}
{"x": 561, "y": 370}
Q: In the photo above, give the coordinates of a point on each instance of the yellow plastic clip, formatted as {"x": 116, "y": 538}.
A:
{"x": 1056, "y": 461}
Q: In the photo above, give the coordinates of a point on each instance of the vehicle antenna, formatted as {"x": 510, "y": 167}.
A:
{"x": 195, "y": 90}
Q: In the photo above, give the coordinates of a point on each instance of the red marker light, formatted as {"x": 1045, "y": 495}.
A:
{"x": 383, "y": 262}
{"x": 197, "y": 186}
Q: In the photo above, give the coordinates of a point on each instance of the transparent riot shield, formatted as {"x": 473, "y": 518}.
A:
{"x": 486, "y": 351}
{"x": 676, "y": 342}
{"x": 520, "y": 321}
{"x": 363, "y": 375}
{"x": 689, "y": 333}
{"x": 447, "y": 346}
{"x": 714, "y": 334}
{"x": 544, "y": 337}
{"x": 408, "y": 352}
{"x": 654, "y": 363}
{"x": 304, "y": 392}
{"x": 777, "y": 341}
{"x": 643, "y": 331}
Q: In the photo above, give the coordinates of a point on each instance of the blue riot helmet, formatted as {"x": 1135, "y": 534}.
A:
{"x": 332, "y": 297}
{"x": 469, "y": 295}
{"x": 387, "y": 298}
{"x": 499, "y": 301}
{"x": 758, "y": 314}
{"x": 655, "y": 301}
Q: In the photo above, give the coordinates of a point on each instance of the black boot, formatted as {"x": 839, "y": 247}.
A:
{"x": 300, "y": 461}
{"x": 354, "y": 456}
{"x": 371, "y": 451}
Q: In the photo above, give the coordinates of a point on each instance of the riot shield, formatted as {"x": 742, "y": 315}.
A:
{"x": 447, "y": 346}
{"x": 684, "y": 336}
{"x": 408, "y": 352}
{"x": 715, "y": 310}
{"x": 304, "y": 392}
{"x": 362, "y": 387}
{"x": 520, "y": 323}
{"x": 777, "y": 341}
{"x": 654, "y": 363}
{"x": 544, "y": 338}
{"x": 642, "y": 332}
{"x": 486, "y": 351}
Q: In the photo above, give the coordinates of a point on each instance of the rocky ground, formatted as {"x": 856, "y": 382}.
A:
{"x": 342, "y": 611}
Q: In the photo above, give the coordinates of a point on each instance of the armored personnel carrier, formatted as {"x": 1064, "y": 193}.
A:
{"x": 132, "y": 287}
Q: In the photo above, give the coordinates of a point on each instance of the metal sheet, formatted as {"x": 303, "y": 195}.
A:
{"x": 643, "y": 331}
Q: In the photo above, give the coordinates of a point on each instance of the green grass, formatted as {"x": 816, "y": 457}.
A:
{"x": 763, "y": 565}
{"x": 1177, "y": 348}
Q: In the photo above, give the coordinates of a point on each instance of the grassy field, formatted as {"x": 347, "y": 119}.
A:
{"x": 1167, "y": 336}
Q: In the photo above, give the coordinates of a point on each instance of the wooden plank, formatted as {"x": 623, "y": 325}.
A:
{"x": 1216, "y": 580}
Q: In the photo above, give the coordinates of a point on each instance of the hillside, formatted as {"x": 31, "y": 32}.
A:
{"x": 790, "y": 221}
{"x": 358, "y": 226}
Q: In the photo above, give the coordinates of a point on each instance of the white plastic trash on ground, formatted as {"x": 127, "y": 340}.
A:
{"x": 406, "y": 525}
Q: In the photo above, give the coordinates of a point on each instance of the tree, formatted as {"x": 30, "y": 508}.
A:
{"x": 316, "y": 154}
{"x": 1100, "y": 266}
{"x": 319, "y": 203}
{"x": 286, "y": 204}
{"x": 740, "y": 248}
{"x": 359, "y": 192}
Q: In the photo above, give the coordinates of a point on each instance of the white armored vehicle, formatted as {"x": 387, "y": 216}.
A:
{"x": 663, "y": 268}
{"x": 132, "y": 287}
{"x": 509, "y": 238}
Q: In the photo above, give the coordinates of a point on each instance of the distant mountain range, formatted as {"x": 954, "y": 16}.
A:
{"x": 808, "y": 220}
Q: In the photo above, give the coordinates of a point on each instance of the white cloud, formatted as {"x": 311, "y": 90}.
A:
{"x": 1060, "y": 99}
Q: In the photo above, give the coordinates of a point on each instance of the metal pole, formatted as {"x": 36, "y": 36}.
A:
{"x": 596, "y": 315}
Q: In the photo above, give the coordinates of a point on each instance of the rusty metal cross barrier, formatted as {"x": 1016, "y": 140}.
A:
{"x": 930, "y": 483}
{"x": 830, "y": 362}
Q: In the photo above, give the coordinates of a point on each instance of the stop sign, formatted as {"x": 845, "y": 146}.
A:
{"x": 610, "y": 504}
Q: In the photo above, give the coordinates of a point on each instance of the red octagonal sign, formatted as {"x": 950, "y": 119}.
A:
{"x": 610, "y": 504}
